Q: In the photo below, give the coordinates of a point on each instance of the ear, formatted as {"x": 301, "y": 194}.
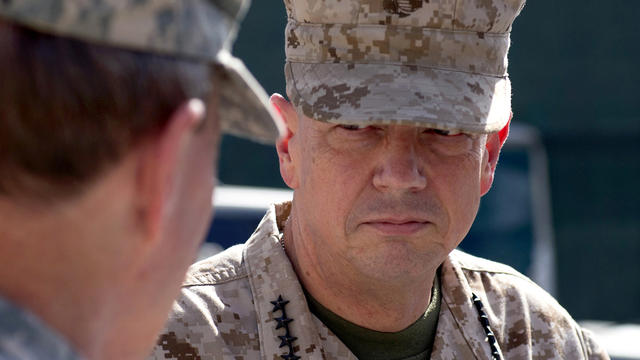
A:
{"x": 495, "y": 141}
{"x": 290, "y": 117}
{"x": 159, "y": 160}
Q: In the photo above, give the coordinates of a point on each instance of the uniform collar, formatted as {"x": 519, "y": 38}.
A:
{"x": 457, "y": 305}
{"x": 271, "y": 276}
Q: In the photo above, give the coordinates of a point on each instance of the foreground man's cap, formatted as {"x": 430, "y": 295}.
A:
{"x": 432, "y": 63}
{"x": 199, "y": 30}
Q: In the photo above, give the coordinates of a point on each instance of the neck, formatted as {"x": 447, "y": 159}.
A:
{"x": 69, "y": 264}
{"x": 386, "y": 306}
{"x": 49, "y": 277}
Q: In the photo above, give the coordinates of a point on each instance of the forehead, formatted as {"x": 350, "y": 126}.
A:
{"x": 319, "y": 126}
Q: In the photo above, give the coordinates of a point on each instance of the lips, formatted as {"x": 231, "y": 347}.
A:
{"x": 397, "y": 227}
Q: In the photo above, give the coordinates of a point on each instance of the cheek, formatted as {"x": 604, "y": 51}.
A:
{"x": 331, "y": 182}
{"x": 200, "y": 184}
{"x": 328, "y": 166}
{"x": 457, "y": 182}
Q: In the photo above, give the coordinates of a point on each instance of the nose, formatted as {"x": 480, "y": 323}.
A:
{"x": 399, "y": 168}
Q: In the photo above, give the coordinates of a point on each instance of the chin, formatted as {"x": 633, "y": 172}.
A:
{"x": 400, "y": 261}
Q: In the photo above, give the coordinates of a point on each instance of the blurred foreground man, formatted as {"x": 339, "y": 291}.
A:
{"x": 400, "y": 109}
{"x": 110, "y": 121}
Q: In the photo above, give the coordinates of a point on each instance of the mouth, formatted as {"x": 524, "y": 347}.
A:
{"x": 397, "y": 227}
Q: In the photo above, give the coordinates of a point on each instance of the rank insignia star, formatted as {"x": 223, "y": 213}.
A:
{"x": 287, "y": 340}
{"x": 279, "y": 304}
{"x": 283, "y": 322}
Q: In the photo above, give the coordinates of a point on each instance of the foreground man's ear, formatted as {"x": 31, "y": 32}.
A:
{"x": 290, "y": 117}
{"x": 495, "y": 141}
{"x": 159, "y": 159}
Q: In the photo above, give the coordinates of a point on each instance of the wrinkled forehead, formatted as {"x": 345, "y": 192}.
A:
{"x": 311, "y": 127}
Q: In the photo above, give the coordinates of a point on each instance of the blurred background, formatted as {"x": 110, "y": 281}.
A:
{"x": 566, "y": 202}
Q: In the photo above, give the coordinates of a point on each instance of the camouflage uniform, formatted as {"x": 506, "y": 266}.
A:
{"x": 25, "y": 337}
{"x": 229, "y": 309}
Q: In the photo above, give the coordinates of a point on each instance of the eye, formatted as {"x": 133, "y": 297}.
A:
{"x": 352, "y": 127}
{"x": 444, "y": 132}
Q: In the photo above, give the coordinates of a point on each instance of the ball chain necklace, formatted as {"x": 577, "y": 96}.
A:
{"x": 284, "y": 228}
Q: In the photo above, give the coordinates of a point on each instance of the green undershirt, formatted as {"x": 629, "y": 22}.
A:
{"x": 412, "y": 343}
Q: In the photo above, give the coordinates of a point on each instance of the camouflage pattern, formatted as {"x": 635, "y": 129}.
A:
{"x": 198, "y": 30}
{"x": 225, "y": 311}
{"x": 438, "y": 63}
{"x": 24, "y": 337}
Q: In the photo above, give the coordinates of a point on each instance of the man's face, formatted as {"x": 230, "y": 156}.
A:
{"x": 389, "y": 200}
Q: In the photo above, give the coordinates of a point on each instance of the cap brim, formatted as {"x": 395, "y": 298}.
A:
{"x": 244, "y": 108}
{"x": 367, "y": 94}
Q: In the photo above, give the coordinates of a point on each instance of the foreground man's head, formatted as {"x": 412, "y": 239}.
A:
{"x": 111, "y": 116}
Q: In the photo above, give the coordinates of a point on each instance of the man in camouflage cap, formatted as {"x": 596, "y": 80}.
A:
{"x": 400, "y": 109}
{"x": 111, "y": 118}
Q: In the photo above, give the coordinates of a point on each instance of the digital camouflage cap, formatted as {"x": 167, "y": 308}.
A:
{"x": 200, "y": 30}
{"x": 432, "y": 63}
